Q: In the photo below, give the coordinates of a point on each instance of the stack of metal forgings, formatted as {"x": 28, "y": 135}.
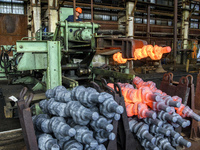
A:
{"x": 154, "y": 115}
{"x": 81, "y": 118}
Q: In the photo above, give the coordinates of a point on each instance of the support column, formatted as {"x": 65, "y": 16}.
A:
{"x": 54, "y": 75}
{"x": 148, "y": 23}
{"x": 52, "y": 15}
{"x": 129, "y": 19}
{"x": 130, "y": 6}
{"x": 74, "y": 10}
{"x": 35, "y": 10}
{"x": 29, "y": 16}
{"x": 175, "y": 32}
{"x": 92, "y": 12}
{"x": 185, "y": 29}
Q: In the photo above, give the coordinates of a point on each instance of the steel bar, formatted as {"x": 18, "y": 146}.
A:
{"x": 92, "y": 11}
{"x": 74, "y": 10}
{"x": 175, "y": 31}
{"x": 195, "y": 104}
{"x": 94, "y": 5}
{"x": 25, "y": 118}
{"x": 148, "y": 23}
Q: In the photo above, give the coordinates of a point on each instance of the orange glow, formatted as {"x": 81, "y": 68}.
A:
{"x": 177, "y": 98}
{"x": 155, "y": 53}
{"x": 146, "y": 98}
{"x": 138, "y": 109}
{"x": 136, "y": 100}
{"x": 138, "y": 82}
{"x": 180, "y": 110}
{"x": 118, "y": 58}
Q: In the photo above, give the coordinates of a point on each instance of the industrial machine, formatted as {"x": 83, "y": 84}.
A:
{"x": 70, "y": 49}
{"x": 63, "y": 57}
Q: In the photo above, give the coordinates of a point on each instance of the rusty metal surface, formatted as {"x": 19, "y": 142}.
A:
{"x": 12, "y": 28}
{"x": 25, "y": 118}
{"x": 112, "y": 25}
{"x": 9, "y": 39}
{"x": 153, "y": 28}
{"x": 92, "y": 11}
{"x": 194, "y": 31}
{"x": 173, "y": 88}
{"x": 126, "y": 45}
{"x": 94, "y": 5}
{"x": 191, "y": 96}
{"x": 195, "y": 104}
{"x": 175, "y": 31}
{"x": 197, "y": 94}
{"x": 104, "y": 25}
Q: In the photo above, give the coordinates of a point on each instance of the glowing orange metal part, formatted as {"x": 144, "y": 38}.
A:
{"x": 183, "y": 110}
{"x": 139, "y": 109}
{"x": 136, "y": 100}
{"x": 138, "y": 82}
{"x": 118, "y": 58}
{"x": 131, "y": 95}
{"x": 177, "y": 98}
{"x": 155, "y": 53}
{"x": 180, "y": 110}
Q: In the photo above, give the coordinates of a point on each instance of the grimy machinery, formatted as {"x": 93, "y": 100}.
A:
{"x": 48, "y": 57}
{"x": 62, "y": 58}
{"x": 65, "y": 58}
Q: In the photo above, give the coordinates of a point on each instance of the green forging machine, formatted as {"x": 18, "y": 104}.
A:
{"x": 64, "y": 56}
{"x": 61, "y": 58}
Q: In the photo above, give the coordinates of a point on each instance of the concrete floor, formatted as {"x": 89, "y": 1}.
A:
{"x": 8, "y": 90}
{"x": 10, "y": 124}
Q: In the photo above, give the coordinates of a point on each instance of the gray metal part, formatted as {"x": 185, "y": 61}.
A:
{"x": 132, "y": 124}
{"x": 36, "y": 118}
{"x": 99, "y": 138}
{"x": 60, "y": 109}
{"x": 80, "y": 130}
{"x": 104, "y": 109}
{"x": 79, "y": 116}
{"x": 50, "y": 93}
{"x": 75, "y": 91}
{"x": 99, "y": 147}
{"x": 46, "y": 141}
{"x": 63, "y": 96}
{"x": 103, "y": 136}
{"x": 88, "y": 97}
{"x": 43, "y": 106}
{"x": 84, "y": 135}
{"x": 72, "y": 144}
{"x": 61, "y": 138}
{"x": 101, "y": 123}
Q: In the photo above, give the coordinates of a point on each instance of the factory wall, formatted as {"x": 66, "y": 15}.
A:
{"x": 12, "y": 28}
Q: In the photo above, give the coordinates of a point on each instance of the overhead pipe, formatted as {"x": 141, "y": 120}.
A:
{"x": 92, "y": 12}
{"x": 148, "y": 24}
{"x": 74, "y": 9}
{"x": 175, "y": 31}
